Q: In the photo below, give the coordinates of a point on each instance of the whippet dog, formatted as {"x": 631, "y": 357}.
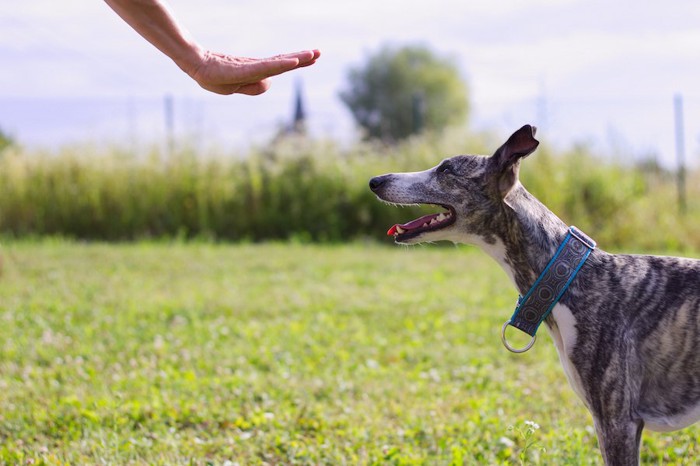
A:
{"x": 626, "y": 327}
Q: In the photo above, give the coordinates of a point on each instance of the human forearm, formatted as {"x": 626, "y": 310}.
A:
{"x": 215, "y": 72}
{"x": 153, "y": 20}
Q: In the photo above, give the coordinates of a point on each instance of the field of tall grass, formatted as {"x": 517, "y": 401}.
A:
{"x": 314, "y": 191}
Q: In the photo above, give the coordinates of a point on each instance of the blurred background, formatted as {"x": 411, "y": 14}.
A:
{"x": 187, "y": 278}
{"x": 617, "y": 82}
{"x": 581, "y": 71}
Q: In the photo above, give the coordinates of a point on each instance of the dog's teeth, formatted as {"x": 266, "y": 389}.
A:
{"x": 433, "y": 221}
{"x": 399, "y": 230}
{"x": 441, "y": 217}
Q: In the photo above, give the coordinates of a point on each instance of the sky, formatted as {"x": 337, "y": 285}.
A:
{"x": 592, "y": 71}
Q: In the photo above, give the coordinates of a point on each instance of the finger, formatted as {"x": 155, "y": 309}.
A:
{"x": 316, "y": 55}
{"x": 251, "y": 88}
{"x": 265, "y": 68}
{"x": 303, "y": 61}
{"x": 255, "y": 88}
{"x": 304, "y": 65}
{"x": 221, "y": 89}
{"x": 303, "y": 56}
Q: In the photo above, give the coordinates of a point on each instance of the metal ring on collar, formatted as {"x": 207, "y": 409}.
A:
{"x": 581, "y": 236}
{"x": 510, "y": 348}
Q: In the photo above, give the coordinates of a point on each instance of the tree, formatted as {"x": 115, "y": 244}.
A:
{"x": 402, "y": 91}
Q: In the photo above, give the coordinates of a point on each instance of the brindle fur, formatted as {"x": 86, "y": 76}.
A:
{"x": 628, "y": 328}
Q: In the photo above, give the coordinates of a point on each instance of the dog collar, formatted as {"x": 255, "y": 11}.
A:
{"x": 549, "y": 287}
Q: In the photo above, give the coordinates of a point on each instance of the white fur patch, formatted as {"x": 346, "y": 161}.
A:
{"x": 669, "y": 423}
{"x": 496, "y": 250}
{"x": 564, "y": 335}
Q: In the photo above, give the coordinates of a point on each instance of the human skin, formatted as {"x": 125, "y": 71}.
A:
{"x": 216, "y": 72}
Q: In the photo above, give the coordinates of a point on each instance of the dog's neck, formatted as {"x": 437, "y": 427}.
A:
{"x": 528, "y": 235}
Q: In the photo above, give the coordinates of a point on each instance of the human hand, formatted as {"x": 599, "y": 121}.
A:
{"x": 226, "y": 74}
{"x": 215, "y": 72}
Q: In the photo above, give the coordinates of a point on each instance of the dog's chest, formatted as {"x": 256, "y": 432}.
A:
{"x": 564, "y": 334}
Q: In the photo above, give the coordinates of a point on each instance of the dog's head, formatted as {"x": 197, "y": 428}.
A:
{"x": 472, "y": 190}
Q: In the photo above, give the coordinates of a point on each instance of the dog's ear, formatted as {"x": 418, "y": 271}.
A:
{"x": 506, "y": 160}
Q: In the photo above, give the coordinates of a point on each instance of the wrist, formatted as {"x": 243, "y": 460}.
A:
{"x": 190, "y": 58}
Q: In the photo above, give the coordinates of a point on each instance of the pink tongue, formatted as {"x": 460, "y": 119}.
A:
{"x": 412, "y": 225}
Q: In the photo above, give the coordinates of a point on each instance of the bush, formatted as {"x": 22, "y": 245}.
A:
{"x": 311, "y": 192}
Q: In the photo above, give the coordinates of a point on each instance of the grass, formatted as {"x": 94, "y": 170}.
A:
{"x": 278, "y": 354}
{"x": 303, "y": 190}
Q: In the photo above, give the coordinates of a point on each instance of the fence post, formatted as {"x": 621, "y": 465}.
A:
{"x": 680, "y": 152}
{"x": 169, "y": 125}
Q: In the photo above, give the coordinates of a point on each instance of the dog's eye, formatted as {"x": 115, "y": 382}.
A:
{"x": 445, "y": 168}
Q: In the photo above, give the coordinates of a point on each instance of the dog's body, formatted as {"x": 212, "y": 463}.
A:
{"x": 627, "y": 330}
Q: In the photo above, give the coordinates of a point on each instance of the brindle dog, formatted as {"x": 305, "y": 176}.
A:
{"x": 627, "y": 330}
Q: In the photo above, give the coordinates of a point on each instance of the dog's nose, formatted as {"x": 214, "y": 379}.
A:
{"x": 376, "y": 182}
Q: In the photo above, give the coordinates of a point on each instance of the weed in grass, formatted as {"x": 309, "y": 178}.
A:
{"x": 528, "y": 449}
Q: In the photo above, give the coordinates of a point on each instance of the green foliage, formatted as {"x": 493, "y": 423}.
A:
{"x": 624, "y": 207}
{"x": 315, "y": 192}
{"x": 5, "y": 140}
{"x": 310, "y": 193}
{"x": 399, "y": 92}
{"x": 278, "y": 354}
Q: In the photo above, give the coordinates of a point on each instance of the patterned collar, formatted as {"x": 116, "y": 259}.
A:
{"x": 549, "y": 287}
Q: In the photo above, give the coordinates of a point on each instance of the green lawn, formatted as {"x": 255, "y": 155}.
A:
{"x": 278, "y": 354}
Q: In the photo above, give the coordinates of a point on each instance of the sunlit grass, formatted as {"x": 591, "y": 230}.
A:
{"x": 277, "y": 354}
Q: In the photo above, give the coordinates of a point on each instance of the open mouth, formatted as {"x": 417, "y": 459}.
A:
{"x": 423, "y": 224}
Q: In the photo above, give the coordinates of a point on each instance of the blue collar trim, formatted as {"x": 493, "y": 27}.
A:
{"x": 549, "y": 287}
